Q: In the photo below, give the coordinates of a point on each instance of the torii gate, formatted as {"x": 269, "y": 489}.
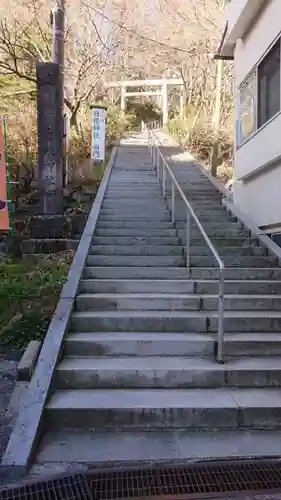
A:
{"x": 163, "y": 92}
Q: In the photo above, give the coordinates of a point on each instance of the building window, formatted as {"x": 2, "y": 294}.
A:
{"x": 259, "y": 96}
{"x": 269, "y": 85}
{"x": 248, "y": 105}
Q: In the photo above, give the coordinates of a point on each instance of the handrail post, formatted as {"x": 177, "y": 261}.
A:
{"x": 173, "y": 202}
{"x": 188, "y": 238}
{"x": 220, "y": 353}
{"x": 158, "y": 168}
{"x": 164, "y": 180}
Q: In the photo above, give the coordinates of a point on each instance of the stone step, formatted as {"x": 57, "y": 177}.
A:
{"x": 178, "y": 273}
{"x": 252, "y": 344}
{"x": 135, "y": 260}
{"x": 135, "y": 240}
{"x": 134, "y": 223}
{"x": 142, "y": 344}
{"x": 136, "y": 232}
{"x": 237, "y": 273}
{"x": 174, "y": 302}
{"x": 136, "y": 250}
{"x": 178, "y": 286}
{"x": 133, "y": 195}
{"x": 176, "y": 249}
{"x": 182, "y": 273}
{"x": 96, "y": 447}
{"x": 163, "y": 372}
{"x": 218, "y": 232}
{"x": 163, "y": 240}
{"x": 175, "y": 321}
{"x": 134, "y": 218}
{"x": 166, "y": 409}
{"x": 210, "y": 225}
{"x": 129, "y": 213}
{"x": 141, "y": 302}
{"x": 110, "y": 205}
{"x": 114, "y": 260}
{"x": 234, "y": 261}
{"x": 238, "y": 287}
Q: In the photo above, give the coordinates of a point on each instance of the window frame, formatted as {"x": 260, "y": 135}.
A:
{"x": 255, "y": 72}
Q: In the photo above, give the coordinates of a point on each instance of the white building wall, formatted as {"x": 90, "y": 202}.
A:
{"x": 259, "y": 196}
{"x": 233, "y": 11}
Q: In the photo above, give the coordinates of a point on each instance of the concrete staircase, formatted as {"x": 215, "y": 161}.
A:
{"x": 139, "y": 356}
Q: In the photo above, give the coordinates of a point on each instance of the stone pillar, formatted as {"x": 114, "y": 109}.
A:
{"x": 50, "y": 161}
{"x": 165, "y": 103}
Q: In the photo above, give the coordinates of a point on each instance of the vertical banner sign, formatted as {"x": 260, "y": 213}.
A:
{"x": 4, "y": 211}
{"x": 98, "y": 133}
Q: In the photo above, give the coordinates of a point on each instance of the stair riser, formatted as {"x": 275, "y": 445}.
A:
{"x": 110, "y": 205}
{"x": 163, "y": 418}
{"x": 162, "y": 240}
{"x": 216, "y": 233}
{"x": 136, "y": 232}
{"x": 141, "y": 324}
{"x": 244, "y": 261}
{"x": 164, "y": 379}
{"x": 136, "y": 273}
{"x": 237, "y": 274}
{"x": 170, "y": 261}
{"x": 148, "y": 261}
{"x": 204, "y": 218}
{"x": 243, "y": 304}
{"x": 243, "y": 348}
{"x": 140, "y": 215}
{"x": 252, "y": 324}
{"x": 172, "y": 250}
{"x": 170, "y": 286}
{"x": 210, "y": 225}
{"x": 140, "y": 222}
{"x": 137, "y": 304}
{"x": 239, "y": 287}
{"x": 177, "y": 325}
{"x": 137, "y": 348}
{"x": 170, "y": 304}
{"x": 131, "y": 240}
{"x": 130, "y": 286}
{"x": 136, "y": 250}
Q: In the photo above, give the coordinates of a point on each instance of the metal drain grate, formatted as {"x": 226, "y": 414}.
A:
{"x": 194, "y": 480}
{"x": 63, "y": 488}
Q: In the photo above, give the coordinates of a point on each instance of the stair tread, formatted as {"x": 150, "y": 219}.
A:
{"x": 177, "y": 314}
{"x": 142, "y": 337}
{"x": 176, "y": 363}
{"x": 93, "y": 399}
{"x": 172, "y": 281}
{"x": 60, "y": 447}
{"x": 137, "y": 295}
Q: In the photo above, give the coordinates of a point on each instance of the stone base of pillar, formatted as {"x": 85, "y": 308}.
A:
{"x": 50, "y": 226}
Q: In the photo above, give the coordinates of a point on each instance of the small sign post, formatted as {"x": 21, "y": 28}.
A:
{"x": 98, "y": 132}
{"x": 5, "y": 184}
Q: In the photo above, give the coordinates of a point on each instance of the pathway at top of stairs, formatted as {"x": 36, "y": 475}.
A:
{"x": 139, "y": 355}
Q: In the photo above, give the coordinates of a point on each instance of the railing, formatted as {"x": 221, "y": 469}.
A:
{"x": 160, "y": 162}
{"x": 152, "y": 125}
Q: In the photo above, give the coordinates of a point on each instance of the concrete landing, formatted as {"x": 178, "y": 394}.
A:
{"x": 58, "y": 450}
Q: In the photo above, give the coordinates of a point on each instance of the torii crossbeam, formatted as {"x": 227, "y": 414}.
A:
{"x": 162, "y": 83}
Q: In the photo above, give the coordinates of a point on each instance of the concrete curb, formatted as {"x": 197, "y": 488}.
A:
{"x": 28, "y": 425}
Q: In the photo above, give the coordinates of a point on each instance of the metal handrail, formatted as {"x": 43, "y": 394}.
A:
{"x": 190, "y": 214}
